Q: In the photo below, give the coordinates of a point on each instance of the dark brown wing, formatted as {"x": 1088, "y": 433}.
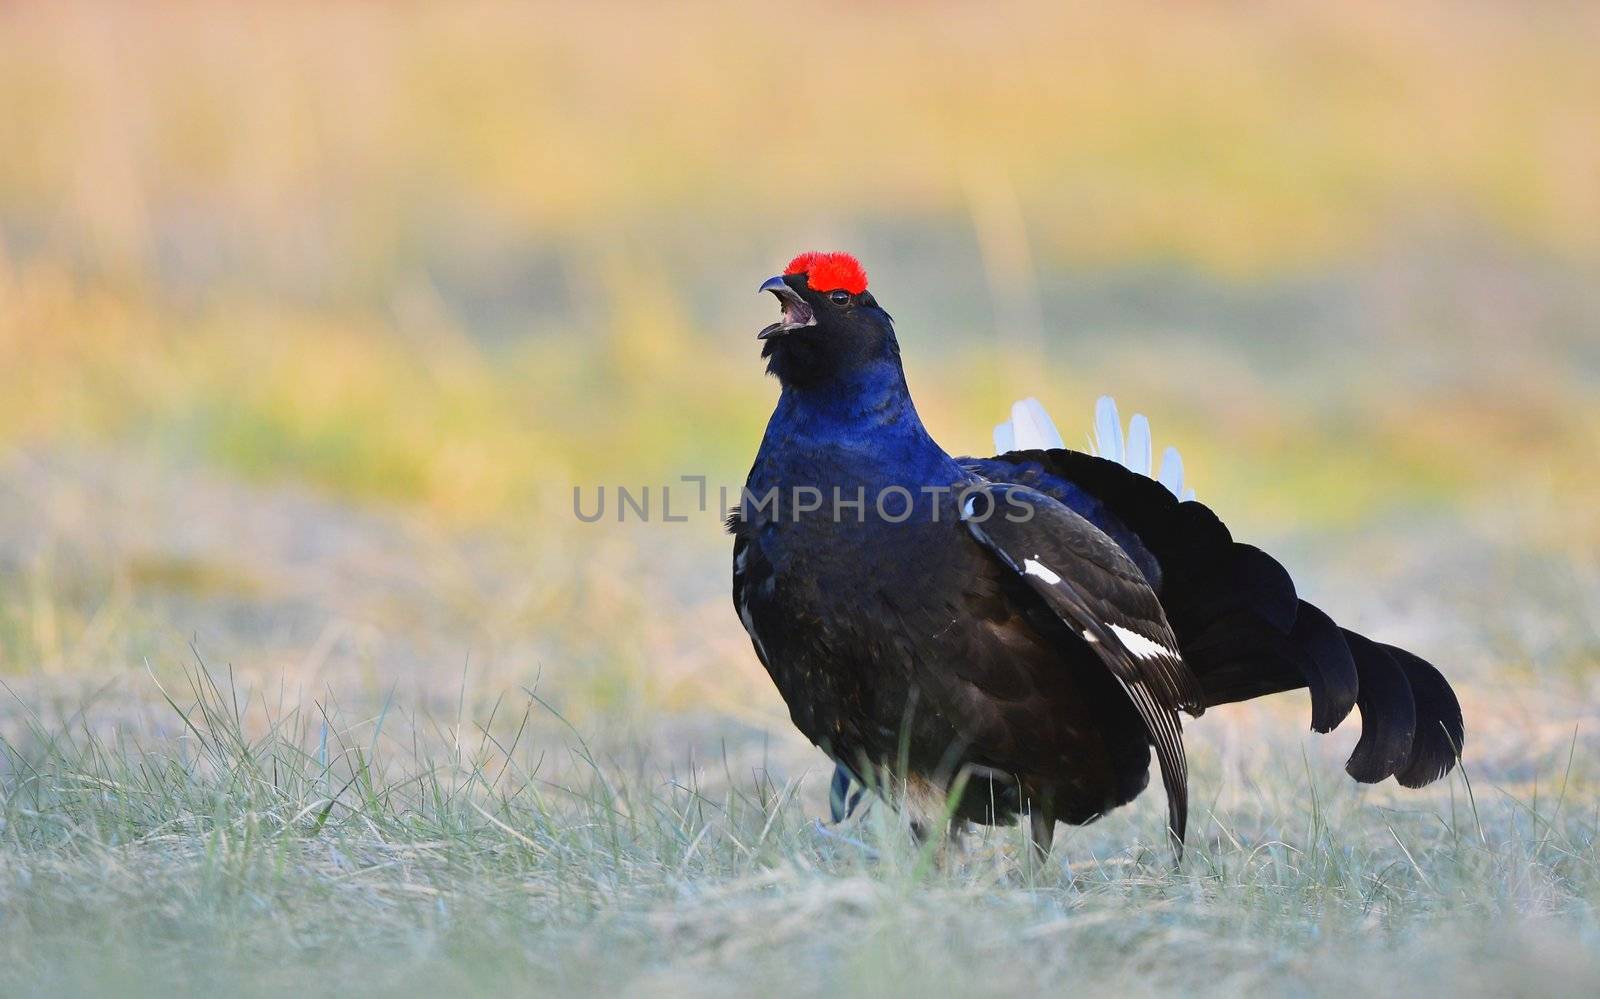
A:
{"x": 1243, "y": 629}
{"x": 1095, "y": 588}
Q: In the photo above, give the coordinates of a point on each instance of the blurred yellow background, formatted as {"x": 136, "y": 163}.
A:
{"x": 328, "y": 279}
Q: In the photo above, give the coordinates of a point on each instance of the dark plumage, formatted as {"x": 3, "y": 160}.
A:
{"x": 1016, "y": 632}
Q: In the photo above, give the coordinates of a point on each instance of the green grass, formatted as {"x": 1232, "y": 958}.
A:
{"x": 220, "y": 838}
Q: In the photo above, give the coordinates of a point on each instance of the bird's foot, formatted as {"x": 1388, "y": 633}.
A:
{"x": 832, "y": 837}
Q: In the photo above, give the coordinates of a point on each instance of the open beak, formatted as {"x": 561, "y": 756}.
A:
{"x": 797, "y": 315}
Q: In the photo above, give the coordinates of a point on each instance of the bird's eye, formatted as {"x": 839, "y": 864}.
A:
{"x": 839, "y": 297}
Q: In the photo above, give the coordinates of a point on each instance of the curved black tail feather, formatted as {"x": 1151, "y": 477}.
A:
{"x": 1388, "y": 712}
{"x": 1329, "y": 667}
{"x": 1440, "y": 730}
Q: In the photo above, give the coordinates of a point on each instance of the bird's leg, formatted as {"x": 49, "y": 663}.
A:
{"x": 1042, "y": 832}
{"x": 1041, "y": 829}
{"x": 956, "y": 834}
{"x": 948, "y": 842}
{"x": 826, "y": 835}
{"x": 954, "y": 846}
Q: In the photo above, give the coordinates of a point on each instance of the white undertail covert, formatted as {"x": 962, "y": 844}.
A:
{"x": 1030, "y": 428}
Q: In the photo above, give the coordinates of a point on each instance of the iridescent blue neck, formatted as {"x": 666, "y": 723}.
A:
{"x": 861, "y": 423}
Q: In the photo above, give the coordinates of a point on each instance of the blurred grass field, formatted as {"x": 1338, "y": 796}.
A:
{"x": 313, "y": 316}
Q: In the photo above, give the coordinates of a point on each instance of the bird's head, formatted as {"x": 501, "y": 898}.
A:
{"x": 831, "y": 325}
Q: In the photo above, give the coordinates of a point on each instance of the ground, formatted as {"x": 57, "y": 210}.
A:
{"x": 357, "y": 797}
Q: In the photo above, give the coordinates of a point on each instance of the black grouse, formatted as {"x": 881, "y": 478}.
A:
{"x": 1003, "y": 636}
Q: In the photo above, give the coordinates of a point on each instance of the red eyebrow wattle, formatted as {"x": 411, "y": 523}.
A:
{"x": 830, "y": 272}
